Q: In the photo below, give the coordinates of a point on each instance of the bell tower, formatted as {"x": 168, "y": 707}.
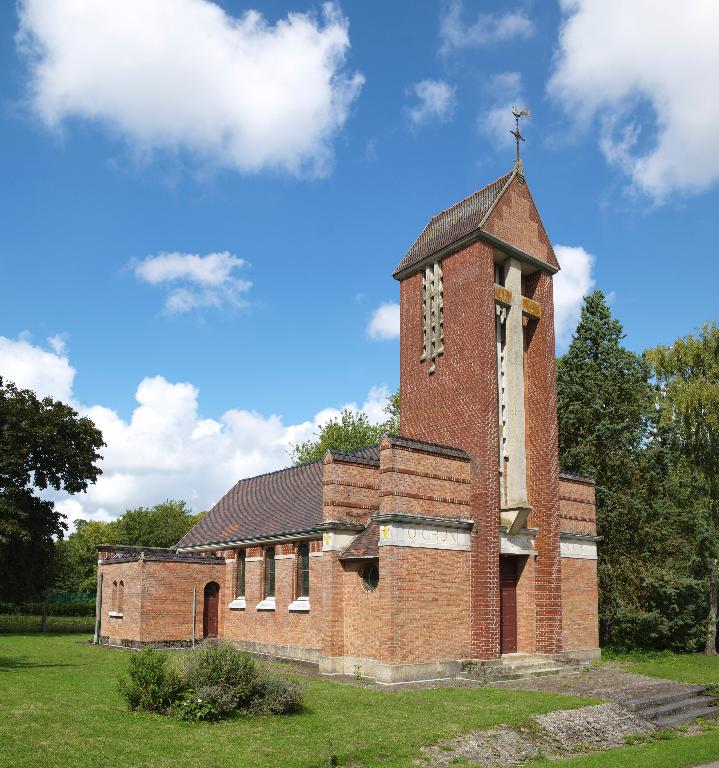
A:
{"x": 477, "y": 372}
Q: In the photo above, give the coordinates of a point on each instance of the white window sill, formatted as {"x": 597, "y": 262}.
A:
{"x": 115, "y": 614}
{"x": 268, "y": 604}
{"x": 238, "y": 604}
{"x": 301, "y": 605}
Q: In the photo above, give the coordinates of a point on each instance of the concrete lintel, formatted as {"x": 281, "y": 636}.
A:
{"x": 401, "y": 517}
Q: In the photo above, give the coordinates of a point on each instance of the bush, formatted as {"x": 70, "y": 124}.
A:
{"x": 212, "y": 683}
{"x": 152, "y": 682}
{"x": 278, "y": 696}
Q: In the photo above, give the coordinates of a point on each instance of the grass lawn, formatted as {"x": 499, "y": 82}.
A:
{"x": 59, "y": 707}
{"x": 683, "y": 667}
{"x": 679, "y": 752}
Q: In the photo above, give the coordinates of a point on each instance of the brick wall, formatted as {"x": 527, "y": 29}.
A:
{"x": 457, "y": 406}
{"x": 279, "y": 627}
{"x": 426, "y": 607}
{"x": 579, "y": 577}
{"x": 542, "y": 445}
{"x": 157, "y": 603}
{"x": 167, "y": 599}
{"x": 127, "y": 627}
{"x": 580, "y": 627}
{"x": 515, "y": 220}
{"x": 364, "y": 629}
{"x": 416, "y": 482}
{"x": 577, "y": 506}
{"x": 526, "y": 606}
{"x": 350, "y": 490}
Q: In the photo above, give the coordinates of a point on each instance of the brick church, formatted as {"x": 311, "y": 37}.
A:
{"x": 460, "y": 540}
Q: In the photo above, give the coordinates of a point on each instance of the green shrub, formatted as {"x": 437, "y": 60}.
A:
{"x": 152, "y": 682}
{"x": 212, "y": 683}
{"x": 278, "y": 696}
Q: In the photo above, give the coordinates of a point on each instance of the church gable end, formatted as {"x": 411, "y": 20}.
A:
{"x": 516, "y": 220}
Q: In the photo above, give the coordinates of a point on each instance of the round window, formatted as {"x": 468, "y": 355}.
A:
{"x": 370, "y": 576}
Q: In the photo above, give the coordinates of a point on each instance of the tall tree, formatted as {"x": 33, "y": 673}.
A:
{"x": 604, "y": 401}
{"x": 44, "y": 444}
{"x": 603, "y": 397}
{"x": 687, "y": 374}
{"x": 350, "y": 432}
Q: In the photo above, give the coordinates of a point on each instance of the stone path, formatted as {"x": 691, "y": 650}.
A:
{"x": 608, "y": 682}
{"x": 564, "y": 734}
{"x": 555, "y": 735}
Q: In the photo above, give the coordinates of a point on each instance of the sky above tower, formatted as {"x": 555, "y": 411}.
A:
{"x": 203, "y": 201}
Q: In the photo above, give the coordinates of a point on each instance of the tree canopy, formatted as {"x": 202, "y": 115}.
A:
{"x": 350, "y": 432}
{"x": 651, "y": 502}
{"x": 160, "y": 526}
{"x": 44, "y": 445}
{"x": 687, "y": 374}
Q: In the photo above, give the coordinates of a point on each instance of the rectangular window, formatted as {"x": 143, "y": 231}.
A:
{"x": 302, "y": 583}
{"x": 269, "y": 581}
{"x": 240, "y": 574}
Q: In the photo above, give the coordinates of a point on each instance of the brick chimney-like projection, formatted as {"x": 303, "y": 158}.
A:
{"x": 477, "y": 372}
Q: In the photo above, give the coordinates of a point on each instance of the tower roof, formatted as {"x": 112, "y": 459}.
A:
{"x": 466, "y": 217}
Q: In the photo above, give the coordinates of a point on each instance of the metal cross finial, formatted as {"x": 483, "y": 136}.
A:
{"x": 517, "y": 135}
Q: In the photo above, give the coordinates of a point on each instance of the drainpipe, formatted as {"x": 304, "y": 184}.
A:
{"x": 98, "y": 609}
{"x": 194, "y": 614}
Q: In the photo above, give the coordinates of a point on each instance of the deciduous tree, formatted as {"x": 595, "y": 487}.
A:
{"x": 44, "y": 444}
{"x": 350, "y": 432}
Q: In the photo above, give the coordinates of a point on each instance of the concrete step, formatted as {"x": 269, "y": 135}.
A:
{"x": 687, "y": 717}
{"x": 686, "y": 704}
{"x": 528, "y": 674}
{"x": 658, "y": 698}
{"x": 529, "y": 666}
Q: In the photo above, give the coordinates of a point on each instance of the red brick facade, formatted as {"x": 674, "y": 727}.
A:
{"x": 420, "y": 512}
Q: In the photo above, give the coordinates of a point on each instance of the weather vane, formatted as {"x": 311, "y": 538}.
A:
{"x": 517, "y": 135}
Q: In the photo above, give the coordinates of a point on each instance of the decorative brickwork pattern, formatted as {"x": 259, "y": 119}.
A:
{"x": 543, "y": 462}
{"x": 580, "y": 622}
{"x": 515, "y": 220}
{"x": 457, "y": 406}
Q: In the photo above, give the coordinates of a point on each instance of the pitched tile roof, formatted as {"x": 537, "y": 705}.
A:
{"x": 365, "y": 544}
{"x": 279, "y": 502}
{"x": 455, "y": 223}
{"x": 286, "y": 501}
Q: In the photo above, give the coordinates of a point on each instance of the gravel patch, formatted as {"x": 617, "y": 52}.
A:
{"x": 555, "y": 735}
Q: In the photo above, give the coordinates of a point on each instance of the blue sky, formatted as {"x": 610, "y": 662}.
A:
{"x": 308, "y": 151}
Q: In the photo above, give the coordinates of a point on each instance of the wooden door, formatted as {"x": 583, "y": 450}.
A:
{"x": 210, "y": 610}
{"x": 508, "y": 603}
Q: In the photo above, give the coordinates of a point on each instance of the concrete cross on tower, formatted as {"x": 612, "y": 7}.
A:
{"x": 513, "y": 310}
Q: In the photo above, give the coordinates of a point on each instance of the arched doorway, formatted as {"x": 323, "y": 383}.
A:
{"x": 210, "y": 610}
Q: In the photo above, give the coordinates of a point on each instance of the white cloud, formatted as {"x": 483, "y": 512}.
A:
{"x": 571, "y": 284}
{"x": 617, "y": 57}
{"x": 184, "y": 75}
{"x": 455, "y": 33}
{"x": 435, "y": 101}
{"x": 46, "y": 371}
{"x": 502, "y": 91}
{"x": 384, "y": 323}
{"x": 168, "y": 449}
{"x": 199, "y": 281}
